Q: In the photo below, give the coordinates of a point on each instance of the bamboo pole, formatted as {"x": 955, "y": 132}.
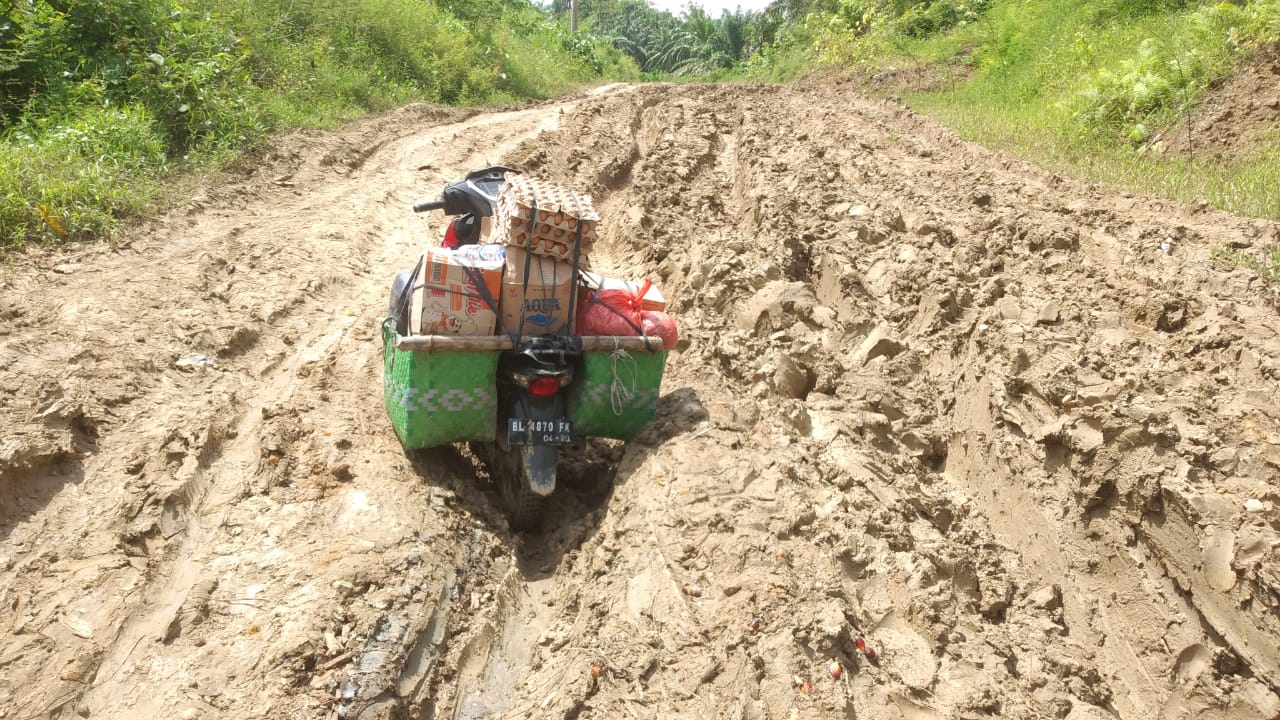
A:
{"x": 590, "y": 343}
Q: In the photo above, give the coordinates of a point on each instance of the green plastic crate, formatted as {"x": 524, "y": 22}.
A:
{"x": 616, "y": 399}
{"x": 437, "y": 398}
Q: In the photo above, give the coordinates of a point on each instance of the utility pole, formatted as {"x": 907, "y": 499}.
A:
{"x": 573, "y": 16}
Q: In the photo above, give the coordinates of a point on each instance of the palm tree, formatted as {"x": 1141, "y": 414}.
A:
{"x": 694, "y": 44}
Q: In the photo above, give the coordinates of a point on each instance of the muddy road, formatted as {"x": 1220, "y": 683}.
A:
{"x": 1019, "y": 433}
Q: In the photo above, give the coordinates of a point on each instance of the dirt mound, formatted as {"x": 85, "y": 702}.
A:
{"x": 917, "y": 76}
{"x": 1237, "y": 117}
{"x": 1015, "y": 435}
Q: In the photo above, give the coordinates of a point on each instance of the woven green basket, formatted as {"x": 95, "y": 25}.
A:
{"x": 437, "y": 398}
{"x": 617, "y": 398}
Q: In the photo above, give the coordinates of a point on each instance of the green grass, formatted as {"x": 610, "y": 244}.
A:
{"x": 1266, "y": 263}
{"x": 1085, "y": 68}
{"x": 101, "y": 101}
{"x": 74, "y": 180}
{"x": 1268, "y": 266}
{"x": 1084, "y": 88}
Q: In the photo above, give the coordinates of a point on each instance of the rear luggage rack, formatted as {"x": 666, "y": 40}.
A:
{"x": 590, "y": 343}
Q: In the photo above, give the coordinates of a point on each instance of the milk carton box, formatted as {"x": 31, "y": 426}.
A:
{"x": 456, "y": 291}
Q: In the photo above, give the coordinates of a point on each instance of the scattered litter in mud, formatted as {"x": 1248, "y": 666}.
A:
{"x": 944, "y": 437}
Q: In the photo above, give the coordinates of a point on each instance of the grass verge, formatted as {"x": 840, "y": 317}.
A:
{"x": 101, "y": 101}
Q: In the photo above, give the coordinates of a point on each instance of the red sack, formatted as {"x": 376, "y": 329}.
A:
{"x": 612, "y": 312}
{"x": 660, "y": 324}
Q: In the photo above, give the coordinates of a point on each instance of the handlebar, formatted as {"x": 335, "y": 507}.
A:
{"x": 476, "y": 194}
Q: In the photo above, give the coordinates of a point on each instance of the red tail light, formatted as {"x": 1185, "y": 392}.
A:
{"x": 545, "y": 386}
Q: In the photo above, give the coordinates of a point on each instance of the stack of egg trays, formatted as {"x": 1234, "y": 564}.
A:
{"x": 559, "y": 213}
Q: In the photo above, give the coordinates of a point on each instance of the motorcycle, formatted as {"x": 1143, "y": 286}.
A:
{"x": 535, "y": 377}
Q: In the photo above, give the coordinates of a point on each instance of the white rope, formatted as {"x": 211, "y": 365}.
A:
{"x": 619, "y": 393}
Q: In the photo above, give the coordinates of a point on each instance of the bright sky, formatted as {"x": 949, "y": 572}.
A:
{"x": 713, "y": 7}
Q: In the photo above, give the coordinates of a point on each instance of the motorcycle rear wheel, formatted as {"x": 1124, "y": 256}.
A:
{"x": 524, "y": 508}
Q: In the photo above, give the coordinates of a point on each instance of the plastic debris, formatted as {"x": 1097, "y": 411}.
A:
{"x": 835, "y": 669}
{"x": 78, "y": 626}
{"x": 755, "y": 624}
{"x": 194, "y": 362}
{"x": 861, "y": 643}
{"x": 596, "y": 670}
{"x": 806, "y": 687}
{"x": 693, "y": 591}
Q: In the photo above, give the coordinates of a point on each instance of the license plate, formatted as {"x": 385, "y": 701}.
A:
{"x": 523, "y": 431}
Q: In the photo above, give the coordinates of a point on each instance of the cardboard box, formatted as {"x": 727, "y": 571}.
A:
{"x": 652, "y": 300}
{"x": 541, "y": 299}
{"x": 448, "y": 300}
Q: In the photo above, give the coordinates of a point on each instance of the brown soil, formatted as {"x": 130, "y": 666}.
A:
{"x": 917, "y": 76}
{"x": 1236, "y": 117}
{"x": 1019, "y": 433}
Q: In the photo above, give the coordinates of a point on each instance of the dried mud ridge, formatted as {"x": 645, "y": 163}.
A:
{"x": 1019, "y": 433}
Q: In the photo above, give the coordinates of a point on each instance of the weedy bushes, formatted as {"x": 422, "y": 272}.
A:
{"x": 922, "y": 20}
{"x": 73, "y": 178}
{"x": 99, "y": 99}
{"x": 1166, "y": 75}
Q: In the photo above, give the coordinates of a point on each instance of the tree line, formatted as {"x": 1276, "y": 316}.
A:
{"x": 692, "y": 43}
